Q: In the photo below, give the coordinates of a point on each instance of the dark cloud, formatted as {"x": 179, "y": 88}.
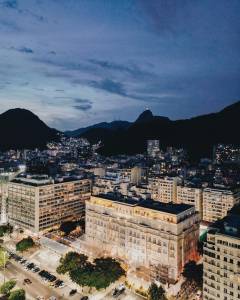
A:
{"x": 13, "y": 4}
{"x": 110, "y": 86}
{"x": 83, "y": 107}
{"x": 131, "y": 69}
{"x": 23, "y": 50}
{"x": 82, "y": 101}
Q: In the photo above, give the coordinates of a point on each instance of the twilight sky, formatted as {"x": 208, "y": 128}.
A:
{"x": 79, "y": 62}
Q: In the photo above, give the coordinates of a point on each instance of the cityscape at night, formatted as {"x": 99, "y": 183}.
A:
{"x": 119, "y": 150}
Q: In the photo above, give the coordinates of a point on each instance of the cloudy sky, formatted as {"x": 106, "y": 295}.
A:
{"x": 78, "y": 62}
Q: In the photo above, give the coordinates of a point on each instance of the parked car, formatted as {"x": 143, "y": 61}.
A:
{"x": 72, "y": 292}
{"x": 27, "y": 281}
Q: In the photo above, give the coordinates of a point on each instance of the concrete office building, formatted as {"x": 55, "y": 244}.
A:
{"x": 38, "y": 202}
{"x": 157, "y": 236}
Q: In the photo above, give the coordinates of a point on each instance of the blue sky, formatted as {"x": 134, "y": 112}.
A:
{"x": 78, "y": 62}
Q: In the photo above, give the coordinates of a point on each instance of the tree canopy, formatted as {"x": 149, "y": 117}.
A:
{"x": 3, "y": 257}
{"x": 193, "y": 272}
{"x": 17, "y": 295}
{"x": 25, "y": 244}
{"x": 7, "y": 287}
{"x": 99, "y": 274}
{"x": 156, "y": 293}
{"x": 5, "y": 229}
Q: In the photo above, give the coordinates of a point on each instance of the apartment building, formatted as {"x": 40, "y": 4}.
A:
{"x": 157, "y": 236}
{"x": 191, "y": 196}
{"x": 217, "y": 202}
{"x": 164, "y": 189}
{"x": 221, "y": 259}
{"x": 39, "y": 202}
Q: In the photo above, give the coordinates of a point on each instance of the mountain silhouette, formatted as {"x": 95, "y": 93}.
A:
{"x": 21, "y": 129}
{"x": 198, "y": 135}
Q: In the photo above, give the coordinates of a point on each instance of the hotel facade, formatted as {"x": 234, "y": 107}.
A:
{"x": 157, "y": 236}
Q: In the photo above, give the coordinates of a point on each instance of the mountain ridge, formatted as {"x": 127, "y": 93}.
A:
{"x": 197, "y": 134}
{"x": 22, "y": 129}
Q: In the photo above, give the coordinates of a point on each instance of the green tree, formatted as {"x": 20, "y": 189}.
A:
{"x": 156, "y": 293}
{"x": 99, "y": 274}
{"x": 25, "y": 244}
{"x": 17, "y": 295}
{"x": 193, "y": 273}
{"x": 71, "y": 261}
{"x": 7, "y": 287}
{"x": 5, "y": 229}
{"x": 3, "y": 257}
{"x": 3, "y": 260}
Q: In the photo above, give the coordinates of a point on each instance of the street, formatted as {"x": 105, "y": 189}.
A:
{"x": 37, "y": 287}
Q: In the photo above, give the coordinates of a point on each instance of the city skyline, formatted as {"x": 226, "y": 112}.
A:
{"x": 77, "y": 63}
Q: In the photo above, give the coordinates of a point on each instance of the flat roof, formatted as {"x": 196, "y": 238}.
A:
{"x": 42, "y": 181}
{"x": 171, "y": 208}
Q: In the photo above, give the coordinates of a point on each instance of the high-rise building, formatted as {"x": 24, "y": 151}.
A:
{"x": 38, "y": 202}
{"x": 157, "y": 236}
{"x": 164, "y": 188}
{"x": 191, "y": 196}
{"x": 221, "y": 259}
{"x": 217, "y": 202}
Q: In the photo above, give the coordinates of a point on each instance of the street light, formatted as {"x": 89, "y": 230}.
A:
{"x": 4, "y": 265}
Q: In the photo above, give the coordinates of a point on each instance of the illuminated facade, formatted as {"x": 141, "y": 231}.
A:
{"x": 217, "y": 203}
{"x": 158, "y": 236}
{"x": 221, "y": 260}
{"x": 39, "y": 203}
{"x": 164, "y": 189}
{"x": 191, "y": 196}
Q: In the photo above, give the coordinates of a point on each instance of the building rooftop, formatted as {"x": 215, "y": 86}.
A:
{"x": 42, "y": 180}
{"x": 171, "y": 208}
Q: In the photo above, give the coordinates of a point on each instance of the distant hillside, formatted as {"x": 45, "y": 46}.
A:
{"x": 115, "y": 125}
{"x": 197, "y": 135}
{"x": 20, "y": 128}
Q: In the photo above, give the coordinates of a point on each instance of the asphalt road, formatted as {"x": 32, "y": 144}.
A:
{"x": 37, "y": 287}
{"x": 126, "y": 295}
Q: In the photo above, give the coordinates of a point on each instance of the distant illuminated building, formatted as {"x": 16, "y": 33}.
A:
{"x": 153, "y": 148}
{"x": 163, "y": 188}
